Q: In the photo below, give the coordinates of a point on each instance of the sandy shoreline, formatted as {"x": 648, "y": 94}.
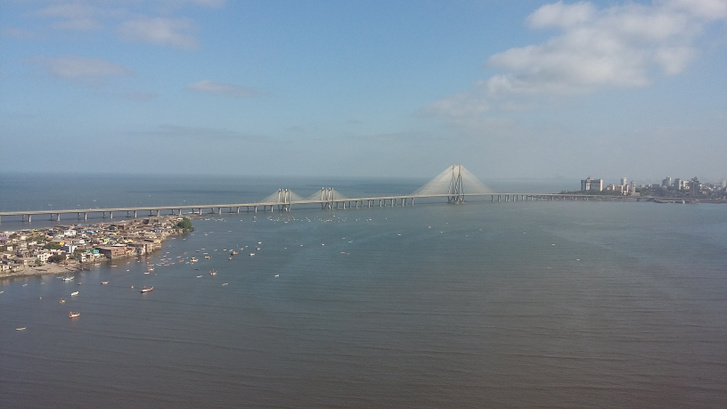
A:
{"x": 49, "y": 268}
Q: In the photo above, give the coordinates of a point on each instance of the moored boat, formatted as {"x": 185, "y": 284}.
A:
{"x": 147, "y": 290}
{"x": 75, "y": 293}
{"x": 213, "y": 272}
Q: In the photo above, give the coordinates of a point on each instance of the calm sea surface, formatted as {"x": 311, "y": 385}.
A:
{"x": 481, "y": 305}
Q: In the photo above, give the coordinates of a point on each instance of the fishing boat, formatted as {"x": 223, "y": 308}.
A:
{"x": 147, "y": 290}
{"x": 75, "y": 293}
{"x": 72, "y": 314}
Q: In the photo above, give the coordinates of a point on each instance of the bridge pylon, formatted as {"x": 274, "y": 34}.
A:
{"x": 284, "y": 198}
{"x": 456, "y": 188}
{"x": 327, "y": 197}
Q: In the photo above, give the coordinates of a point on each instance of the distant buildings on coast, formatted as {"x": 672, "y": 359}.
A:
{"x": 676, "y": 188}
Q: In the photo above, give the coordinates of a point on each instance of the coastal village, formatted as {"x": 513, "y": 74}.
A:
{"x": 61, "y": 249}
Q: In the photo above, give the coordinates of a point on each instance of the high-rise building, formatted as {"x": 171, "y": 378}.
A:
{"x": 591, "y": 185}
{"x": 695, "y": 187}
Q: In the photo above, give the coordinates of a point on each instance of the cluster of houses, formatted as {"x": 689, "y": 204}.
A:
{"x": 21, "y": 250}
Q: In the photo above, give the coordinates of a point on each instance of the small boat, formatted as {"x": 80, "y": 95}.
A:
{"x": 74, "y": 314}
{"x": 21, "y": 328}
{"x": 213, "y": 272}
{"x": 62, "y": 301}
{"x": 234, "y": 253}
{"x": 67, "y": 278}
{"x": 147, "y": 290}
{"x": 104, "y": 283}
{"x": 75, "y": 293}
{"x": 252, "y": 254}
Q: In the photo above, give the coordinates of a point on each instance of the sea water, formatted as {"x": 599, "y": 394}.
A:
{"x": 541, "y": 304}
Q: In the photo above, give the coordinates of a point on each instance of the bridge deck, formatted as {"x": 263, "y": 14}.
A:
{"x": 393, "y": 199}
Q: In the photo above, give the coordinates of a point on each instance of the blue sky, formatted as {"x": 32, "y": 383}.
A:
{"x": 526, "y": 89}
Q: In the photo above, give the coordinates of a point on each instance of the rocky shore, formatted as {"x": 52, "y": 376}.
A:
{"x": 63, "y": 250}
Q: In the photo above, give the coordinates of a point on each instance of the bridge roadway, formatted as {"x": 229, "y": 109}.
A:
{"x": 341, "y": 203}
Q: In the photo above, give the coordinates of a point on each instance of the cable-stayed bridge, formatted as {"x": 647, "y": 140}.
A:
{"x": 454, "y": 183}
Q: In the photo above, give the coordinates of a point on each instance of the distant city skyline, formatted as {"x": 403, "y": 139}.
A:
{"x": 528, "y": 89}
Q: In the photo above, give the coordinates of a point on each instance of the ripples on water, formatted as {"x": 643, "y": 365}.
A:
{"x": 520, "y": 305}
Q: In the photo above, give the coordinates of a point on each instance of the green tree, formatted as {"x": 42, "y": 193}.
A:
{"x": 57, "y": 258}
{"x": 185, "y": 224}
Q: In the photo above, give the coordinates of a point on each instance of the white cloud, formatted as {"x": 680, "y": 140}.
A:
{"x": 134, "y": 21}
{"x": 561, "y": 15}
{"x": 80, "y": 15}
{"x": 174, "y": 32}
{"x": 82, "y": 69}
{"x": 628, "y": 45}
{"x": 222, "y": 89}
{"x": 459, "y": 105}
{"x": 705, "y": 9}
